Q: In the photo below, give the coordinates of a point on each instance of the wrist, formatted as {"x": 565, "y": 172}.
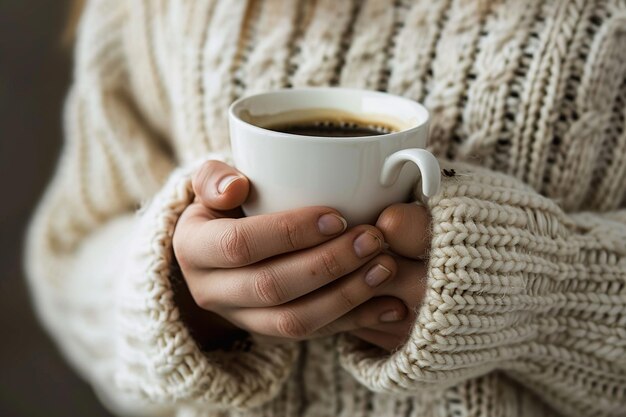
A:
{"x": 210, "y": 330}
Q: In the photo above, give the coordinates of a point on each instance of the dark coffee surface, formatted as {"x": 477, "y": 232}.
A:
{"x": 331, "y": 129}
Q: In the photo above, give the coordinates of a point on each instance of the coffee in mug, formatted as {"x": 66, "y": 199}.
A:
{"x": 327, "y": 123}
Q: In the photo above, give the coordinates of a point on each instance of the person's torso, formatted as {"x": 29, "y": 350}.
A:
{"x": 534, "y": 89}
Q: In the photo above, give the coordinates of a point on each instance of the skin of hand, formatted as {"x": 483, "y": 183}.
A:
{"x": 286, "y": 276}
{"x": 406, "y": 228}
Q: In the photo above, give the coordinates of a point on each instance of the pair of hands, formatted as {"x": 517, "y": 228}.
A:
{"x": 297, "y": 274}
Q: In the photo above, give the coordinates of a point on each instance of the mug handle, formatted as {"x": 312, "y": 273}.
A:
{"x": 425, "y": 161}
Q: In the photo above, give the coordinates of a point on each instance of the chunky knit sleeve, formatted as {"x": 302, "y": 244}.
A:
{"x": 514, "y": 284}
{"x": 99, "y": 251}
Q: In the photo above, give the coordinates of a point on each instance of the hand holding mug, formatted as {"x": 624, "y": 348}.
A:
{"x": 290, "y": 275}
{"x": 406, "y": 229}
{"x": 291, "y": 270}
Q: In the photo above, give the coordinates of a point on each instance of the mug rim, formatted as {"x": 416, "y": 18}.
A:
{"x": 238, "y": 103}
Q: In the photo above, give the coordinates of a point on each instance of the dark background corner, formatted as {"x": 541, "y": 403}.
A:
{"x": 35, "y": 68}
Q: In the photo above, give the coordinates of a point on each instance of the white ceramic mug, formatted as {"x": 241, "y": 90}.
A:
{"x": 358, "y": 176}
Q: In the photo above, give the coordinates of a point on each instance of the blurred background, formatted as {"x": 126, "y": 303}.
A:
{"x": 35, "y": 69}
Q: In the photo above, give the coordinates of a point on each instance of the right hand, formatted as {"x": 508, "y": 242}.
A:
{"x": 291, "y": 275}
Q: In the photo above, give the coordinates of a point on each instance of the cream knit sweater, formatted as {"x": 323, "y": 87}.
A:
{"x": 525, "y": 312}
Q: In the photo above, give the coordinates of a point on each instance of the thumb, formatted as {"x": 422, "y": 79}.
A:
{"x": 219, "y": 186}
{"x": 406, "y": 228}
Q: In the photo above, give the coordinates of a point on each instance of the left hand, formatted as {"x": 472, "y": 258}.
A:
{"x": 406, "y": 228}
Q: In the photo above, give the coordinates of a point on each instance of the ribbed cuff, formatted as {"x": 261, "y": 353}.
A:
{"x": 159, "y": 360}
{"x": 493, "y": 240}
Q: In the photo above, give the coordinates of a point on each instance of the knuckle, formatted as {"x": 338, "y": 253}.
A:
{"x": 207, "y": 300}
{"x": 235, "y": 246}
{"x": 289, "y": 232}
{"x": 267, "y": 287}
{"x": 290, "y": 326}
{"x": 202, "y": 300}
{"x": 184, "y": 244}
{"x": 180, "y": 248}
{"x": 347, "y": 298}
{"x": 331, "y": 265}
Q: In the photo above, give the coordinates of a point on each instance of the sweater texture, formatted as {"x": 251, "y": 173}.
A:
{"x": 525, "y": 307}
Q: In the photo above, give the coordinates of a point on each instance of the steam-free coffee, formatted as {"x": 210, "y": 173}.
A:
{"x": 330, "y": 123}
{"x": 333, "y": 128}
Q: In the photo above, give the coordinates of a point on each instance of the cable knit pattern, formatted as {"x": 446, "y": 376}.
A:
{"x": 525, "y": 309}
{"x": 513, "y": 284}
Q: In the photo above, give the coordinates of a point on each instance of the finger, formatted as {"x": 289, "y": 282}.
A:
{"x": 219, "y": 186}
{"x": 387, "y": 341}
{"x": 196, "y": 214}
{"x": 410, "y": 282}
{"x": 281, "y": 279}
{"x": 406, "y": 228}
{"x": 399, "y": 327}
{"x": 304, "y": 316}
{"x": 379, "y": 311}
{"x": 233, "y": 243}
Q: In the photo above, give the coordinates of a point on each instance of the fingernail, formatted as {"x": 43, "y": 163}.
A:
{"x": 377, "y": 275}
{"x": 390, "y": 316}
{"x": 366, "y": 244}
{"x": 330, "y": 224}
{"x": 226, "y": 182}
